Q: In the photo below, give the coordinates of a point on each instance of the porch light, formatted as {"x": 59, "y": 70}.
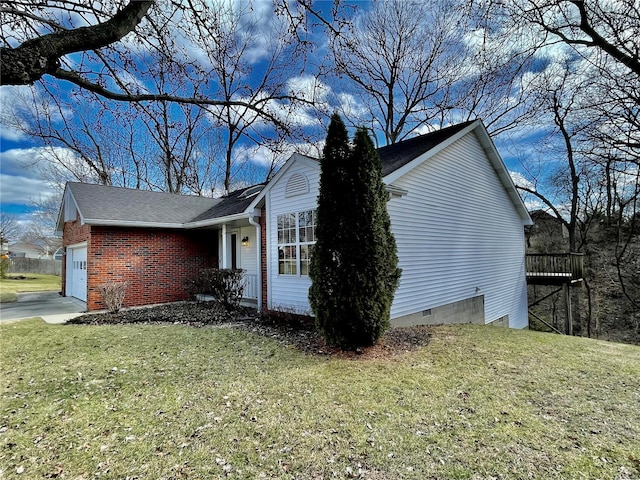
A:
{"x": 245, "y": 241}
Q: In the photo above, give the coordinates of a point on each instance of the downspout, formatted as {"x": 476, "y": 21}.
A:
{"x": 252, "y": 221}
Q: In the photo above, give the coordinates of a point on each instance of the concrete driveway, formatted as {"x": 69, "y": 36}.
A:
{"x": 52, "y": 307}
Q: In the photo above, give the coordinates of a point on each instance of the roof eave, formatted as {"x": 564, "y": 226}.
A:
{"x": 503, "y": 173}
{"x": 98, "y": 222}
{"x": 220, "y": 220}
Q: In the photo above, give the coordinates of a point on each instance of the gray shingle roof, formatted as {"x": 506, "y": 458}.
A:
{"x": 399, "y": 154}
{"x": 231, "y": 204}
{"x": 99, "y": 203}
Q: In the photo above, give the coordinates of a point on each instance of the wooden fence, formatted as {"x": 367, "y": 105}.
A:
{"x": 35, "y": 265}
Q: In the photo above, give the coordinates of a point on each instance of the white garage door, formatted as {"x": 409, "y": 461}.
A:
{"x": 77, "y": 273}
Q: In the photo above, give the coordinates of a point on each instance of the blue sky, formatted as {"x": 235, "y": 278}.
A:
{"x": 23, "y": 158}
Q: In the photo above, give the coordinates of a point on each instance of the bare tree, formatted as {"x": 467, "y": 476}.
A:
{"x": 233, "y": 37}
{"x": 610, "y": 27}
{"x": 38, "y": 55}
{"x": 605, "y": 36}
{"x": 9, "y": 227}
{"x": 400, "y": 57}
{"x": 416, "y": 64}
{"x": 214, "y": 49}
{"x": 109, "y": 40}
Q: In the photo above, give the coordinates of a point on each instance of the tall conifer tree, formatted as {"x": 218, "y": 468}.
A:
{"x": 354, "y": 269}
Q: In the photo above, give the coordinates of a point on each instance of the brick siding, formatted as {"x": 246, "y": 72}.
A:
{"x": 154, "y": 262}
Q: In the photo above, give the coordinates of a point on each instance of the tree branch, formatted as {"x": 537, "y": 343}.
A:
{"x": 163, "y": 97}
{"x": 36, "y": 57}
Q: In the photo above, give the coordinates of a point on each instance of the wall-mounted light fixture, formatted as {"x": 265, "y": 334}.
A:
{"x": 245, "y": 241}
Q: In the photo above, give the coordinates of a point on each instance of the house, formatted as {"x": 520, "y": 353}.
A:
{"x": 455, "y": 213}
{"x": 28, "y": 250}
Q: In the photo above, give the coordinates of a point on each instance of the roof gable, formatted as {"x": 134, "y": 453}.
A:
{"x": 395, "y": 164}
{"x": 232, "y": 204}
{"x": 105, "y": 205}
{"x": 296, "y": 157}
{"x": 397, "y": 155}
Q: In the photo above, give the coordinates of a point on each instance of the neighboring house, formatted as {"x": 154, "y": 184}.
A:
{"x": 27, "y": 250}
{"x": 455, "y": 213}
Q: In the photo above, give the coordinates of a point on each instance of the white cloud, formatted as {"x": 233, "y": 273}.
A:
{"x": 20, "y": 190}
{"x": 266, "y": 157}
{"x": 11, "y": 121}
{"x": 23, "y": 173}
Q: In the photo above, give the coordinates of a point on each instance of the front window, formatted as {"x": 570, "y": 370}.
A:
{"x": 296, "y": 238}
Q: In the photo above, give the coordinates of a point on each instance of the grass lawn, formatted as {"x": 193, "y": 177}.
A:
{"x": 34, "y": 282}
{"x": 173, "y": 402}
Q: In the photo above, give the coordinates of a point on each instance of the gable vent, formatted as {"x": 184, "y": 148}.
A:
{"x": 296, "y": 185}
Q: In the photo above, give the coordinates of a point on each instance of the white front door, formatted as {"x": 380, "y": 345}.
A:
{"x": 77, "y": 273}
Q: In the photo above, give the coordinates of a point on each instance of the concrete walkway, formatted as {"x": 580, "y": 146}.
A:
{"x": 50, "y": 306}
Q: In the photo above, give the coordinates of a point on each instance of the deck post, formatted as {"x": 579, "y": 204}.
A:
{"x": 567, "y": 309}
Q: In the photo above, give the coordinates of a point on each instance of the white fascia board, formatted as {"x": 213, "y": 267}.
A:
{"x": 67, "y": 196}
{"x": 396, "y": 174}
{"x": 503, "y": 173}
{"x": 130, "y": 223}
{"x": 176, "y": 226}
{"x": 78, "y": 245}
{"x": 218, "y": 221}
{"x": 294, "y": 158}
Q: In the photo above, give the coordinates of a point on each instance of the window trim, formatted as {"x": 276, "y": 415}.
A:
{"x": 296, "y": 244}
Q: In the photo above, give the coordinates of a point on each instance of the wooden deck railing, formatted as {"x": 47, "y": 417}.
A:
{"x": 555, "y": 267}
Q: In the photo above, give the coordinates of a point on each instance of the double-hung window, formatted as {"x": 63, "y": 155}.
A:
{"x": 296, "y": 238}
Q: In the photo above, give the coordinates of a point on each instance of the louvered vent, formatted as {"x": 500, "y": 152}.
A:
{"x": 296, "y": 185}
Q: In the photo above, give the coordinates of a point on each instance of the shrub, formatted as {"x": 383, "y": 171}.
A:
{"x": 113, "y": 294}
{"x": 4, "y": 266}
{"x": 225, "y": 285}
{"x": 354, "y": 272}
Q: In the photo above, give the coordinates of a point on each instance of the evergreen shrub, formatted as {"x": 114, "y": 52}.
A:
{"x": 353, "y": 270}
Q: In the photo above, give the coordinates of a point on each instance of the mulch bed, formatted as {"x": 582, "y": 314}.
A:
{"x": 296, "y": 332}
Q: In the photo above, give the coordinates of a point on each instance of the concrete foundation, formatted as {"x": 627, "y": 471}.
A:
{"x": 470, "y": 310}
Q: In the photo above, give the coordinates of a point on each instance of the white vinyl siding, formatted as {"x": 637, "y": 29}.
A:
{"x": 290, "y": 290}
{"x": 458, "y": 233}
{"x": 459, "y": 236}
{"x": 248, "y": 260}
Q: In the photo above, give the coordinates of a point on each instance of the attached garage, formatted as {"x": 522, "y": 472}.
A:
{"x": 135, "y": 237}
{"x": 76, "y": 271}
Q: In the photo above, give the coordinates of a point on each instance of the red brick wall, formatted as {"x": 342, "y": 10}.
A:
{"x": 73, "y": 233}
{"x": 153, "y": 262}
